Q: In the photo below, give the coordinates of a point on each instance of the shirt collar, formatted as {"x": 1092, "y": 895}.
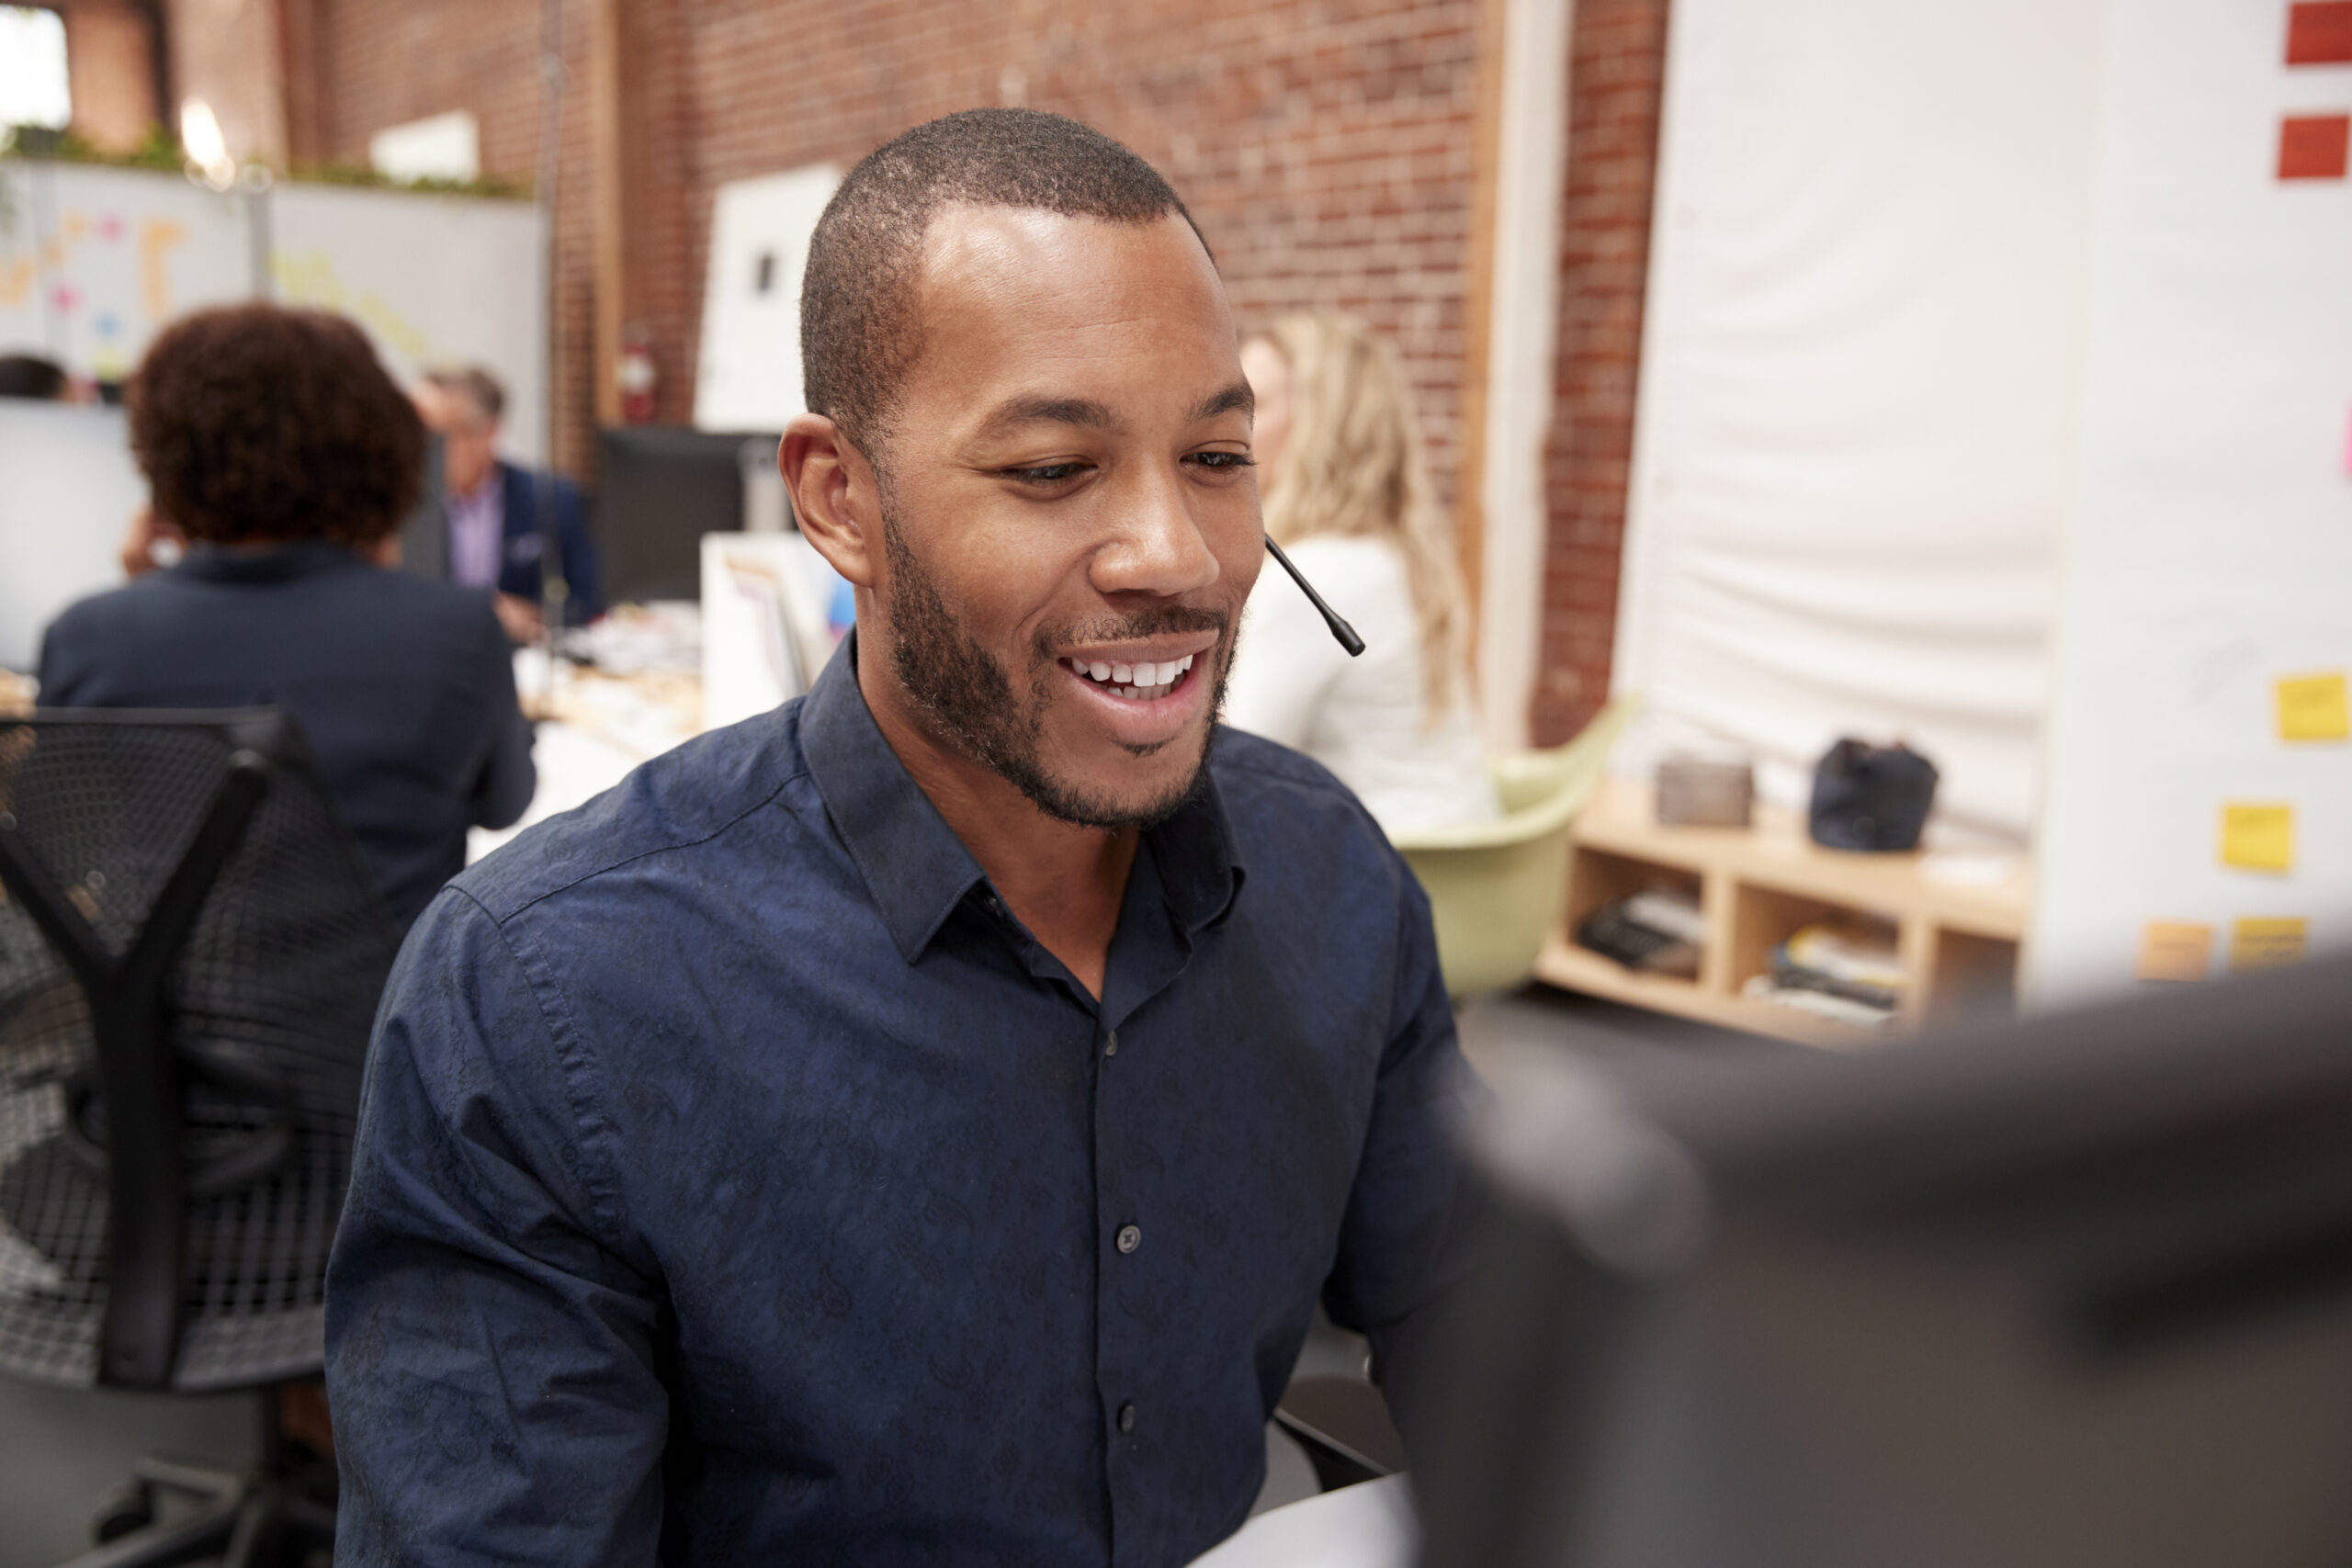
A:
{"x": 917, "y": 869}
{"x": 277, "y": 563}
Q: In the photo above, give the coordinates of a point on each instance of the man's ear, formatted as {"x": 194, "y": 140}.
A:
{"x": 834, "y": 496}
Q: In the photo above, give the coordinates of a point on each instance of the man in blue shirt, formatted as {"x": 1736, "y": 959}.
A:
{"x": 916, "y": 1125}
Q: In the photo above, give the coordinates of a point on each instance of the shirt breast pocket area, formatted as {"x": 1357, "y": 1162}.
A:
{"x": 525, "y": 548}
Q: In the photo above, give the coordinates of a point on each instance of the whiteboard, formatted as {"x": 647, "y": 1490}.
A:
{"x": 95, "y": 261}
{"x": 434, "y": 279}
{"x": 68, "y": 491}
{"x": 2208, "y": 550}
{"x": 747, "y": 376}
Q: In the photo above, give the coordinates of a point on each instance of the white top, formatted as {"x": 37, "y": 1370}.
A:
{"x": 1363, "y": 718}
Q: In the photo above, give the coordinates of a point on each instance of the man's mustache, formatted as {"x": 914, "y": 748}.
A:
{"x": 1158, "y": 622}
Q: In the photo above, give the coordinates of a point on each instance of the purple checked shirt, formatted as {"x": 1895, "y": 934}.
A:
{"x": 478, "y": 533}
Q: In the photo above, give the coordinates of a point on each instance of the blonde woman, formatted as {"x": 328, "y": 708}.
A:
{"x": 1346, "y": 496}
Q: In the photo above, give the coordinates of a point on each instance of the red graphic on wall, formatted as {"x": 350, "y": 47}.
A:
{"x": 2315, "y": 147}
{"x": 2319, "y": 32}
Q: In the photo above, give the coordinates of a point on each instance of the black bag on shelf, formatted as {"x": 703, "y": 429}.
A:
{"x": 1866, "y": 797}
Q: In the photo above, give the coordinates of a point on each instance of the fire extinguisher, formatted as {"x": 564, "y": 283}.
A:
{"x": 636, "y": 374}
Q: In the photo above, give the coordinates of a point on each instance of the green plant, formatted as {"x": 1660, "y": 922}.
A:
{"x": 159, "y": 150}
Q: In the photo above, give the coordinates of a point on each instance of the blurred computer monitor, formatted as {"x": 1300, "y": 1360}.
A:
{"x": 2078, "y": 1291}
{"x": 69, "y": 488}
{"x": 659, "y": 490}
{"x": 424, "y": 532}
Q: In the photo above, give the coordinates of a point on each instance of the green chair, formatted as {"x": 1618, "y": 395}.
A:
{"x": 1496, "y": 888}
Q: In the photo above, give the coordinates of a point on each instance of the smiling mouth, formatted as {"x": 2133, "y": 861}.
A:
{"x": 1146, "y": 682}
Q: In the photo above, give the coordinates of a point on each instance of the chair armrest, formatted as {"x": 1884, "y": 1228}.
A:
{"x": 1343, "y": 1425}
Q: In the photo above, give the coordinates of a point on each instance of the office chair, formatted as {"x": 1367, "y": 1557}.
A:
{"x": 190, "y": 956}
{"x": 1496, "y": 888}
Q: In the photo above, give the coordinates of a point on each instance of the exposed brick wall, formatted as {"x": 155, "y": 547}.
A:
{"x": 1617, "y": 70}
{"x": 1325, "y": 145}
{"x": 111, "y": 70}
{"x": 381, "y": 65}
{"x": 230, "y": 53}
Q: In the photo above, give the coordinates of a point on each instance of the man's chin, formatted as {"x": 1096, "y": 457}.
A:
{"x": 1133, "y": 789}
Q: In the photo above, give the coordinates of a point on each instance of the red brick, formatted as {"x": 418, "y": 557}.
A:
{"x": 1617, "y": 63}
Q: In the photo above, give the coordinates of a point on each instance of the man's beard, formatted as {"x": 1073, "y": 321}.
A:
{"x": 975, "y": 703}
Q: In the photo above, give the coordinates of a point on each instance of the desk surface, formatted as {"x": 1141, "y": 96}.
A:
{"x": 1371, "y": 1526}
{"x": 592, "y": 729}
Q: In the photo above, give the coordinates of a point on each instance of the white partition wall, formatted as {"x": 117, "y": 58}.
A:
{"x": 1996, "y": 395}
{"x": 434, "y": 279}
{"x": 1857, "y": 384}
{"x": 95, "y": 261}
{"x": 2208, "y": 553}
{"x": 68, "y": 491}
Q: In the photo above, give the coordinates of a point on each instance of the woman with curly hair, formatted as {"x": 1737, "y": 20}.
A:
{"x": 1347, "y": 497}
{"x": 275, "y": 447}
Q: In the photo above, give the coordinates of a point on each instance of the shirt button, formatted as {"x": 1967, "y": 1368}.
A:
{"x": 1130, "y": 1238}
{"x": 1110, "y": 1043}
{"x": 1126, "y": 1417}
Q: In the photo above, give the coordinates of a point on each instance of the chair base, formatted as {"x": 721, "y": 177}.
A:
{"x": 279, "y": 1515}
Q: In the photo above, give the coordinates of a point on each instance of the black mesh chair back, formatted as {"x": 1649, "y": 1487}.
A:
{"x": 192, "y": 953}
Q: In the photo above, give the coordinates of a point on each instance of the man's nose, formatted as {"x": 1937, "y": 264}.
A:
{"x": 1158, "y": 546}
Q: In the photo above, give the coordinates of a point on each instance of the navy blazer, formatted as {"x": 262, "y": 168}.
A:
{"x": 405, "y": 688}
{"x": 518, "y": 556}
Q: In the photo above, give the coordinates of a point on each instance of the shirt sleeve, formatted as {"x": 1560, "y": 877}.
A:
{"x": 1286, "y": 661}
{"x": 509, "y": 777}
{"x": 1406, "y": 1241}
{"x": 491, "y": 1348}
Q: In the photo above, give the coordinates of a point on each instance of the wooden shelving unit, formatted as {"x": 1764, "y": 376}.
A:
{"x": 1756, "y": 885}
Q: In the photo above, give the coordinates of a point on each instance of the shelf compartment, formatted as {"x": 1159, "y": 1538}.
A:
{"x": 1969, "y": 977}
{"x": 1598, "y": 878}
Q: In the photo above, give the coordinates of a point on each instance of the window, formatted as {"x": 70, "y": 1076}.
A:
{"x": 32, "y": 68}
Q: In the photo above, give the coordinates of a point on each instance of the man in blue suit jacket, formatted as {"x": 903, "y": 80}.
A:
{"x": 493, "y": 537}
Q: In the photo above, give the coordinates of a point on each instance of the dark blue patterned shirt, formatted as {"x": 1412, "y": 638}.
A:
{"x": 737, "y": 1181}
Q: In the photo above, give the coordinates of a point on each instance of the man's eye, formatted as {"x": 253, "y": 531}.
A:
{"x": 1044, "y": 473}
{"x": 1222, "y": 460}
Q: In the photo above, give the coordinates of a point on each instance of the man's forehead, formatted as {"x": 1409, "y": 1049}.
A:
{"x": 1023, "y": 310}
{"x": 1023, "y": 408}
{"x": 447, "y": 405}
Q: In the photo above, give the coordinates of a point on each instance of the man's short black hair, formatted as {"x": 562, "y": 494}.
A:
{"x": 859, "y": 327}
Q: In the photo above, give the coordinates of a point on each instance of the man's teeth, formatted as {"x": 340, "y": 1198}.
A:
{"x": 1145, "y": 681}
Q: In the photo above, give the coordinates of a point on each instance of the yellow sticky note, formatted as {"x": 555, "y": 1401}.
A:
{"x": 2312, "y": 707}
{"x": 2258, "y": 837}
{"x": 2175, "y": 950}
{"x": 2266, "y": 944}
